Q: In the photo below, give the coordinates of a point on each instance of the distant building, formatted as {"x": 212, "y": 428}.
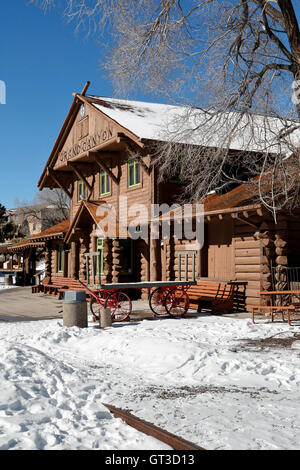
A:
{"x": 31, "y": 220}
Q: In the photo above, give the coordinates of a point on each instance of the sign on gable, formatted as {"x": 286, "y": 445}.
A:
{"x": 86, "y": 134}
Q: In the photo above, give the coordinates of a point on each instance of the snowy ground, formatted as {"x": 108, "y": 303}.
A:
{"x": 222, "y": 383}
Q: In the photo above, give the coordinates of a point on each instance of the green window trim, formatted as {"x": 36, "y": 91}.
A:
{"x": 134, "y": 173}
{"x": 104, "y": 181}
{"x": 81, "y": 191}
{"x": 60, "y": 259}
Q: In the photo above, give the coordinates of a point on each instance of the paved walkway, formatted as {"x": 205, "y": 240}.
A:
{"x": 20, "y": 304}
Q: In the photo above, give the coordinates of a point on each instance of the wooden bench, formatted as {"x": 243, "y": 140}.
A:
{"x": 72, "y": 284}
{"x": 218, "y": 297}
{"x": 52, "y": 287}
{"x": 36, "y": 289}
{"x": 55, "y": 285}
{"x": 271, "y": 310}
{"x": 59, "y": 285}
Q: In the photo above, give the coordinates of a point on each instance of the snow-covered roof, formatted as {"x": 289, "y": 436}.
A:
{"x": 185, "y": 125}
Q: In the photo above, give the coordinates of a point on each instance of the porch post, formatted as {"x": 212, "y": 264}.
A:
{"x": 281, "y": 244}
{"x": 116, "y": 260}
{"x": 27, "y": 257}
{"x": 84, "y": 249}
{"x": 107, "y": 262}
{"x": 74, "y": 270}
{"x": 48, "y": 260}
{"x": 155, "y": 260}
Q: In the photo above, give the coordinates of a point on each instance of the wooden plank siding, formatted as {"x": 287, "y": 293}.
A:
{"x": 221, "y": 266}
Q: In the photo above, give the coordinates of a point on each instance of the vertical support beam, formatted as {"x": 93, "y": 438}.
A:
{"x": 155, "y": 260}
{"x": 88, "y": 270}
{"x": 27, "y": 270}
{"x": 194, "y": 266}
{"x": 74, "y": 263}
{"x": 48, "y": 260}
{"x": 84, "y": 249}
{"x": 116, "y": 261}
{"x": 107, "y": 260}
{"x": 186, "y": 267}
{"x": 179, "y": 267}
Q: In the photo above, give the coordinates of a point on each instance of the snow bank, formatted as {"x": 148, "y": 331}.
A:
{"x": 192, "y": 377}
{"x": 186, "y": 352}
{"x": 45, "y": 404}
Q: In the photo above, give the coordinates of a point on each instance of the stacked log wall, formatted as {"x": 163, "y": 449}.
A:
{"x": 248, "y": 258}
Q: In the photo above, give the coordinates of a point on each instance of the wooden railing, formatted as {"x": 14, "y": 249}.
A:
{"x": 93, "y": 269}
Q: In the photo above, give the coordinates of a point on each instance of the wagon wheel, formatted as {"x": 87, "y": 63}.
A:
{"x": 177, "y": 303}
{"x": 120, "y": 306}
{"x": 95, "y": 307}
{"x": 157, "y": 301}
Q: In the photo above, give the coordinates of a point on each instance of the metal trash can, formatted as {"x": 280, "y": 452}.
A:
{"x": 8, "y": 281}
{"x": 75, "y": 309}
{"x": 19, "y": 278}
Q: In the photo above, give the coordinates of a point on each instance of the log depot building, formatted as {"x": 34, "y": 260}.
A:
{"x": 102, "y": 154}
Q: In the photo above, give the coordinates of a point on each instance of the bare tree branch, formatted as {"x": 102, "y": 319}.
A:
{"x": 232, "y": 64}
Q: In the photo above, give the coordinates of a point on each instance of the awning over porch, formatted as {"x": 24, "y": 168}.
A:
{"x": 103, "y": 215}
{"x": 55, "y": 232}
{"x": 58, "y": 231}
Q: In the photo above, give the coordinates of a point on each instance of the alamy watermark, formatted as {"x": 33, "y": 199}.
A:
{"x": 2, "y": 92}
{"x": 138, "y": 221}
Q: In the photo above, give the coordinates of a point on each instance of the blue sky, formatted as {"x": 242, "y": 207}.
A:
{"x": 42, "y": 62}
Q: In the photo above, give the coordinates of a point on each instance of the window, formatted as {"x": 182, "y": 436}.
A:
{"x": 104, "y": 183}
{"x": 100, "y": 250}
{"x": 60, "y": 259}
{"x": 81, "y": 193}
{"x": 134, "y": 173}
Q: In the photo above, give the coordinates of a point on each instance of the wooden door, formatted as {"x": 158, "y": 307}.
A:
{"x": 221, "y": 250}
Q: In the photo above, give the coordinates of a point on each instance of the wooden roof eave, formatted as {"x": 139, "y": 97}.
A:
{"x": 217, "y": 212}
{"x": 80, "y": 209}
{"x": 233, "y": 210}
{"x": 79, "y": 99}
{"x": 127, "y": 132}
{"x": 74, "y": 221}
{"x": 67, "y": 125}
{"x": 49, "y": 237}
{"x": 84, "y": 205}
{"x": 26, "y": 246}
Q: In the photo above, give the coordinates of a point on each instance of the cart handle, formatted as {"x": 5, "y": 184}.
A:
{"x": 84, "y": 286}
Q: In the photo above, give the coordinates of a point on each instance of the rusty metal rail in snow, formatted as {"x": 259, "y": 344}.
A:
{"x": 177, "y": 443}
